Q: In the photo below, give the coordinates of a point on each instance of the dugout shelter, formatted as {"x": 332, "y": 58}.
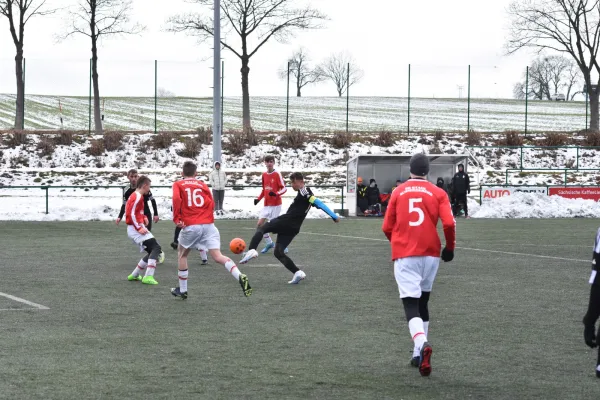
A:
{"x": 387, "y": 168}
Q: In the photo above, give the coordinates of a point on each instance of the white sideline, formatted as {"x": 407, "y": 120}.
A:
{"x": 20, "y": 300}
{"x": 461, "y": 248}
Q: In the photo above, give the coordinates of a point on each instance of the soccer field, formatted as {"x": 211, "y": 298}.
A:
{"x": 505, "y": 317}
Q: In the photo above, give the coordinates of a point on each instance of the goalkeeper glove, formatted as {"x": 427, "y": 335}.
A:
{"x": 447, "y": 255}
{"x": 272, "y": 194}
{"x": 590, "y": 336}
{"x": 256, "y": 201}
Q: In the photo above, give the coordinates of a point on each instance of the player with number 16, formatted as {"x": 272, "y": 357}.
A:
{"x": 193, "y": 212}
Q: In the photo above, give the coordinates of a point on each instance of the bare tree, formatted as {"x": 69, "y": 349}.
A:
{"x": 162, "y": 92}
{"x": 572, "y": 78}
{"x": 547, "y": 76}
{"x": 335, "y": 68}
{"x": 301, "y": 71}
{"x": 18, "y": 13}
{"x": 251, "y": 21}
{"x": 571, "y": 27}
{"x": 96, "y": 19}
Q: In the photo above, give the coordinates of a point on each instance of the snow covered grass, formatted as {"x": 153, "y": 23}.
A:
{"x": 530, "y": 205}
{"x": 367, "y": 114}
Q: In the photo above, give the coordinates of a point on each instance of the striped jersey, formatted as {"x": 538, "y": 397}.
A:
{"x": 272, "y": 182}
{"x": 134, "y": 210}
{"x": 296, "y": 214}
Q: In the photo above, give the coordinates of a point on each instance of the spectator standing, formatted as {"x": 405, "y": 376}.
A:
{"x": 460, "y": 188}
{"x": 218, "y": 180}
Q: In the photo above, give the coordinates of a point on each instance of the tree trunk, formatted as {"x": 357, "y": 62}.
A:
{"x": 97, "y": 115}
{"x": 298, "y": 89}
{"x": 20, "y": 102}
{"x": 593, "y": 110}
{"x": 245, "y": 95}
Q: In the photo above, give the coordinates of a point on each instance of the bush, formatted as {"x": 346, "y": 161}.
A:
{"x": 163, "y": 140}
{"x": 191, "y": 148}
{"x": 16, "y": 139}
{"x": 341, "y": 140}
{"x": 438, "y": 135}
{"x": 97, "y": 148}
{"x": 113, "y": 140}
{"x": 555, "y": 139}
{"x": 473, "y": 138}
{"x": 513, "y": 139}
{"x": 46, "y": 146}
{"x": 204, "y": 135}
{"x": 65, "y": 138}
{"x": 592, "y": 139}
{"x": 384, "y": 139}
{"x": 294, "y": 139}
{"x": 235, "y": 144}
{"x": 251, "y": 138}
{"x": 435, "y": 149}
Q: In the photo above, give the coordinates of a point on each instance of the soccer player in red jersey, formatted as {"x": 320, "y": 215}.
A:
{"x": 410, "y": 225}
{"x": 193, "y": 211}
{"x": 592, "y": 339}
{"x": 137, "y": 230}
{"x": 273, "y": 187}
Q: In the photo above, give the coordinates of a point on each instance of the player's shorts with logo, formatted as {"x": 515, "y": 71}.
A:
{"x": 137, "y": 237}
{"x": 415, "y": 275}
{"x": 270, "y": 212}
{"x": 205, "y": 236}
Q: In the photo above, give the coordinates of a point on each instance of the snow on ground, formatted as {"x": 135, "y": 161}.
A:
{"x": 530, "y": 205}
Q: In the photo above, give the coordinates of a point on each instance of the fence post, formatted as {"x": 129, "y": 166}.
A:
{"x": 347, "y": 97}
{"x": 469, "y": 101}
{"x": 481, "y": 195}
{"x": 46, "y": 188}
{"x": 408, "y": 127}
{"x": 521, "y": 157}
{"x": 155, "y": 91}
{"x": 342, "y": 188}
{"x": 506, "y": 177}
{"x": 90, "y": 101}
{"x": 24, "y": 93}
{"x": 565, "y": 177}
{"x": 287, "y": 103}
{"x": 577, "y": 159}
{"x": 222, "y": 91}
{"x": 526, "y": 96}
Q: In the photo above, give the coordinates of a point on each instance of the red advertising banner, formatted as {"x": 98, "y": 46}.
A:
{"x": 590, "y": 193}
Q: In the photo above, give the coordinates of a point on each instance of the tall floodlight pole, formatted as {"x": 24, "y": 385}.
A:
{"x": 217, "y": 82}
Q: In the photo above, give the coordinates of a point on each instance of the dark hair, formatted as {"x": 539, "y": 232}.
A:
{"x": 132, "y": 171}
{"x": 269, "y": 158}
{"x": 189, "y": 169}
{"x": 296, "y": 176}
{"x": 142, "y": 180}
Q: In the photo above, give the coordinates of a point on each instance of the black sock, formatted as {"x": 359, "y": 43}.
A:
{"x": 176, "y": 236}
{"x": 254, "y": 242}
{"x": 593, "y": 312}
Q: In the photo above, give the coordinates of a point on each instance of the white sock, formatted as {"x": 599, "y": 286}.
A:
{"x": 140, "y": 267}
{"x": 233, "y": 269}
{"x": 267, "y": 238}
{"x": 598, "y": 367}
{"x": 203, "y": 255}
{"x": 151, "y": 267}
{"x": 417, "y": 332}
{"x": 183, "y": 275}
{"x": 417, "y": 350}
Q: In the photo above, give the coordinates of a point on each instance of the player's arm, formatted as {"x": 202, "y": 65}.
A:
{"x": 322, "y": 206}
{"x": 154, "y": 207}
{"x": 593, "y": 311}
{"x": 282, "y": 188}
{"x": 262, "y": 192}
{"x": 125, "y": 198}
{"x": 176, "y": 200}
{"x": 389, "y": 221}
{"x": 449, "y": 226}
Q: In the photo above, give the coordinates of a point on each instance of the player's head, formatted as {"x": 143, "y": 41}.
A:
{"x": 297, "y": 181}
{"x": 398, "y": 182}
{"x": 132, "y": 175}
{"x": 217, "y": 165}
{"x": 461, "y": 167}
{"x": 189, "y": 169}
{"x": 419, "y": 166}
{"x": 143, "y": 184}
{"x": 270, "y": 162}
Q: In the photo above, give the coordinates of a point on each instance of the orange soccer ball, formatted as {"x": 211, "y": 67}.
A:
{"x": 237, "y": 245}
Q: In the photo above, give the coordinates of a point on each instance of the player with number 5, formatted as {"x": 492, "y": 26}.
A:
{"x": 410, "y": 224}
{"x": 193, "y": 212}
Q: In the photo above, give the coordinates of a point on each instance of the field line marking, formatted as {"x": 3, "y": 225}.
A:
{"x": 19, "y": 309}
{"x": 460, "y": 248}
{"x": 20, "y": 300}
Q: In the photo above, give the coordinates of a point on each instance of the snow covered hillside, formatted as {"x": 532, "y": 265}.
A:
{"x": 42, "y": 160}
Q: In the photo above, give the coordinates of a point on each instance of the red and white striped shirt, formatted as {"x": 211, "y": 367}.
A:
{"x": 272, "y": 182}
{"x": 134, "y": 211}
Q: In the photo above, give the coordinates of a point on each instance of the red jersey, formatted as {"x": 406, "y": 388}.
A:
{"x": 411, "y": 219}
{"x": 272, "y": 182}
{"x": 134, "y": 210}
{"x": 192, "y": 202}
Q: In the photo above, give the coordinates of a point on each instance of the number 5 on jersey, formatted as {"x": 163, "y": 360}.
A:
{"x": 413, "y": 208}
{"x": 194, "y": 197}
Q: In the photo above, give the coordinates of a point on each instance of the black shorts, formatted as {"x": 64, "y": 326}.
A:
{"x": 285, "y": 229}
{"x": 149, "y": 227}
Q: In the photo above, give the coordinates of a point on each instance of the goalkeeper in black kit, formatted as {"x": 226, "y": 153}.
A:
{"x": 592, "y": 338}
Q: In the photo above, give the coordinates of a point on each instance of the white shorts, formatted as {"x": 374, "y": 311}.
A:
{"x": 205, "y": 236}
{"x": 137, "y": 237}
{"x": 270, "y": 212}
{"x": 415, "y": 275}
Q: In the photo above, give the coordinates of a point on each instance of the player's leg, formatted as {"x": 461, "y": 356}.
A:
{"x": 266, "y": 215}
{"x": 408, "y": 272}
{"x": 270, "y": 226}
{"x": 203, "y": 254}
{"x": 154, "y": 251}
{"x": 221, "y": 200}
{"x": 136, "y": 275}
{"x": 175, "y": 242}
{"x": 424, "y": 314}
{"x": 463, "y": 199}
{"x": 283, "y": 241}
{"x": 182, "y": 273}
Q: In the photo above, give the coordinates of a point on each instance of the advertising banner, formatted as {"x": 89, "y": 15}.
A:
{"x": 591, "y": 193}
{"x": 495, "y": 192}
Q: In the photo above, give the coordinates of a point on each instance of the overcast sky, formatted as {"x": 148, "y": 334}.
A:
{"x": 439, "y": 38}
